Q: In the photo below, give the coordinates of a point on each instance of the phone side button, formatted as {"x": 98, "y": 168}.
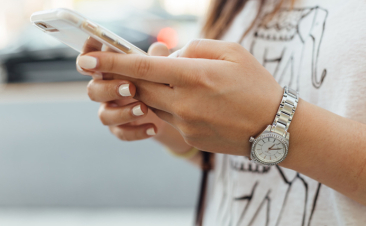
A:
{"x": 89, "y": 26}
{"x": 108, "y": 37}
{"x": 124, "y": 46}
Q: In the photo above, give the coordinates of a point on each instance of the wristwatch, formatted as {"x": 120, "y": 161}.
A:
{"x": 271, "y": 146}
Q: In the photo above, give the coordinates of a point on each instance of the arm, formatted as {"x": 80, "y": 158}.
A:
{"x": 330, "y": 149}
{"x": 211, "y": 102}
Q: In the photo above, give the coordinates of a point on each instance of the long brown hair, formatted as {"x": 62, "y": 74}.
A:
{"x": 222, "y": 13}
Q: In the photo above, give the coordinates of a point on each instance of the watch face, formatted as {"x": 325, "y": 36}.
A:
{"x": 269, "y": 149}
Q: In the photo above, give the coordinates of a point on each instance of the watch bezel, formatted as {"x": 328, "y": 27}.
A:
{"x": 280, "y": 138}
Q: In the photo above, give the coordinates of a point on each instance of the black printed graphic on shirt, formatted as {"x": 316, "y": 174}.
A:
{"x": 260, "y": 195}
{"x": 281, "y": 44}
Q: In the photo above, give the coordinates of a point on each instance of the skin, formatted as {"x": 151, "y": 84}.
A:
{"x": 116, "y": 111}
{"x": 217, "y": 98}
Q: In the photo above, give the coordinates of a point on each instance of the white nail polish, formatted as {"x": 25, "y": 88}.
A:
{"x": 150, "y": 132}
{"x": 137, "y": 110}
{"x": 81, "y": 71}
{"x": 87, "y": 62}
{"x": 79, "y": 68}
{"x": 124, "y": 90}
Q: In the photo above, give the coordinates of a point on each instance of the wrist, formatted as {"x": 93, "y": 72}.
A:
{"x": 297, "y": 128}
{"x": 271, "y": 147}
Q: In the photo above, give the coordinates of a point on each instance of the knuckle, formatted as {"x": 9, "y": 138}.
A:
{"x": 90, "y": 91}
{"x": 125, "y": 114}
{"x": 193, "y": 44}
{"x": 233, "y": 52}
{"x": 142, "y": 67}
{"x": 110, "y": 63}
{"x": 110, "y": 91}
{"x": 119, "y": 133}
{"x": 191, "y": 47}
{"x": 233, "y": 46}
{"x": 138, "y": 135}
{"x": 101, "y": 116}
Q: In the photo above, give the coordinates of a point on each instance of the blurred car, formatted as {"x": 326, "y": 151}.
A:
{"x": 37, "y": 57}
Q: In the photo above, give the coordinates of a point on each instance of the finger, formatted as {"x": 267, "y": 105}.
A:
{"x": 91, "y": 45}
{"x": 112, "y": 76}
{"x": 158, "y": 49}
{"x": 203, "y": 48}
{"x": 175, "y": 54}
{"x": 155, "y": 95}
{"x": 165, "y": 116}
{"x": 108, "y": 90}
{"x": 131, "y": 133}
{"x": 111, "y": 115}
{"x": 156, "y": 69}
{"x": 94, "y": 74}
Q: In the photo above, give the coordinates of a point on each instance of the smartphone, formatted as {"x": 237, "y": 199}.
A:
{"x": 76, "y": 31}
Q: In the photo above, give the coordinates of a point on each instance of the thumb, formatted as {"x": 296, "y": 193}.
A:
{"x": 158, "y": 49}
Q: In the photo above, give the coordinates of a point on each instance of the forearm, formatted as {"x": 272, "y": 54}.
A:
{"x": 172, "y": 139}
{"x": 330, "y": 149}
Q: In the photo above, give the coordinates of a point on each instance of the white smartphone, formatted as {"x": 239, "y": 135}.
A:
{"x": 75, "y": 31}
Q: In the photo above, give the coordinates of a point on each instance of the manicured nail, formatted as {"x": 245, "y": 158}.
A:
{"x": 137, "y": 110}
{"x": 80, "y": 69}
{"x": 124, "y": 90}
{"x": 95, "y": 75}
{"x": 87, "y": 62}
{"x": 150, "y": 132}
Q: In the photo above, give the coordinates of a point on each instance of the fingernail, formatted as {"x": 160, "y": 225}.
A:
{"x": 81, "y": 71}
{"x": 79, "y": 68}
{"x": 137, "y": 110}
{"x": 150, "y": 132}
{"x": 124, "y": 90}
{"x": 87, "y": 62}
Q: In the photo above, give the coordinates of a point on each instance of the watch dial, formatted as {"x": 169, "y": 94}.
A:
{"x": 270, "y": 149}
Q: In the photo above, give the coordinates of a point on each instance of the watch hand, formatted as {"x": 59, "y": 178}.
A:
{"x": 271, "y": 146}
{"x": 275, "y": 149}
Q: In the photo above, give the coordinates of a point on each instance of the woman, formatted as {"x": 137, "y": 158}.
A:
{"x": 221, "y": 93}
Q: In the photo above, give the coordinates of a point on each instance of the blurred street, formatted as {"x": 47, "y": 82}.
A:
{"x": 58, "y": 164}
{"x": 82, "y": 217}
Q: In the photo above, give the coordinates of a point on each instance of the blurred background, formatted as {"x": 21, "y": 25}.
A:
{"x": 58, "y": 164}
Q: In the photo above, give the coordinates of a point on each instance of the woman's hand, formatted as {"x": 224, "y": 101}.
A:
{"x": 127, "y": 118}
{"x": 218, "y": 94}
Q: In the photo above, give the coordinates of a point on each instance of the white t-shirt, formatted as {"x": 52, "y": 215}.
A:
{"x": 318, "y": 48}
